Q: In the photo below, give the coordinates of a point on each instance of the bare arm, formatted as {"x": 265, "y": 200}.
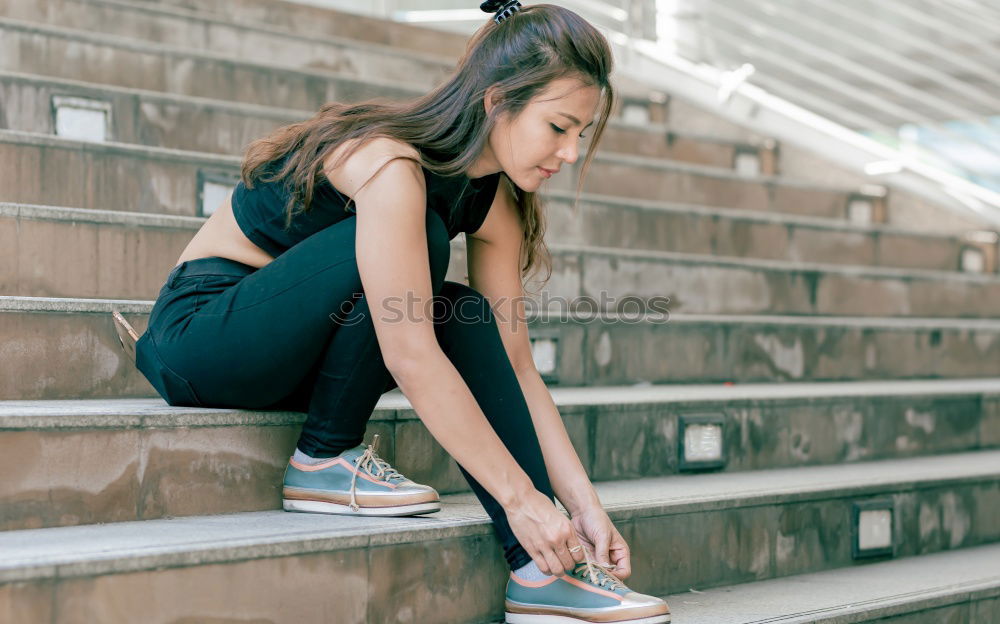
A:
{"x": 395, "y": 274}
{"x": 493, "y": 254}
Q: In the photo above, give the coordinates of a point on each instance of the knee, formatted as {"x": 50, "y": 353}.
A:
{"x": 438, "y": 249}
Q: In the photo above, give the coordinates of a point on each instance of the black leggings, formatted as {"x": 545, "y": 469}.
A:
{"x": 296, "y": 335}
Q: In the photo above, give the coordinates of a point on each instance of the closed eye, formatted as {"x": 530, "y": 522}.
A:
{"x": 562, "y": 131}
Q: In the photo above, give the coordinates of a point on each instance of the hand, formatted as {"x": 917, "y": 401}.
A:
{"x": 600, "y": 537}
{"x": 545, "y": 533}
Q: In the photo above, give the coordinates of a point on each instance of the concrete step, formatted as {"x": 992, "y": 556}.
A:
{"x": 317, "y": 21}
{"x": 187, "y": 30}
{"x": 198, "y": 30}
{"x": 126, "y": 255}
{"x": 694, "y": 531}
{"x": 204, "y": 125}
{"x": 116, "y": 175}
{"x": 609, "y": 221}
{"x": 68, "y": 348}
{"x": 624, "y": 175}
{"x": 59, "y": 52}
{"x": 698, "y": 284}
{"x": 91, "y": 461}
{"x": 108, "y": 176}
{"x": 962, "y": 586}
{"x": 105, "y": 59}
{"x": 313, "y": 20}
{"x": 121, "y": 254}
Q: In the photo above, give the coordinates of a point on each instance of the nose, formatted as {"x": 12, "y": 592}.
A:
{"x": 569, "y": 151}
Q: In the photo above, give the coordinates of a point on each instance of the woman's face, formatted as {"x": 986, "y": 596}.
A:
{"x": 545, "y": 134}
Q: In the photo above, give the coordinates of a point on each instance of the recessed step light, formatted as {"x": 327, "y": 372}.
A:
{"x": 213, "y": 189}
{"x": 747, "y": 163}
{"x": 979, "y": 252}
{"x": 872, "y": 529}
{"x": 83, "y": 119}
{"x": 700, "y": 441}
{"x": 973, "y": 260}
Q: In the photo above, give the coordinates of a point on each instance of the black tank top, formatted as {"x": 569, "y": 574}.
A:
{"x": 461, "y": 202}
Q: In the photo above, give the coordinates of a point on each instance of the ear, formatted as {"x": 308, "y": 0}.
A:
{"x": 490, "y": 98}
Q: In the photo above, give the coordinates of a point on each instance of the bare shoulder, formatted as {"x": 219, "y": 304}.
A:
{"x": 348, "y": 171}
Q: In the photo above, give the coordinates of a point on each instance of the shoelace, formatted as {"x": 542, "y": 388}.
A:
{"x": 383, "y": 470}
{"x": 375, "y": 466}
{"x": 608, "y": 579}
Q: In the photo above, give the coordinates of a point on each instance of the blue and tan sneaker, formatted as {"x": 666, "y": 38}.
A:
{"x": 356, "y": 483}
{"x": 591, "y": 593}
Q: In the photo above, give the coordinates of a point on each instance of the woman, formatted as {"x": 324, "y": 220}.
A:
{"x": 287, "y": 299}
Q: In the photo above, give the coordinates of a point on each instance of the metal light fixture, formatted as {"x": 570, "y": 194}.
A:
{"x": 701, "y": 441}
{"x": 213, "y": 188}
{"x": 83, "y": 119}
{"x": 872, "y": 529}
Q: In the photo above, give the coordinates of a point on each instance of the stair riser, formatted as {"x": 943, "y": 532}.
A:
{"x": 701, "y": 546}
{"x": 68, "y": 355}
{"x": 194, "y": 34}
{"x": 715, "y": 289}
{"x": 103, "y": 264}
{"x": 96, "y": 176}
{"x": 190, "y": 125}
{"x": 96, "y": 260}
{"x": 51, "y": 54}
{"x": 970, "y": 609}
{"x": 165, "y": 182}
{"x": 633, "y": 227}
{"x": 129, "y": 471}
{"x": 704, "y": 188}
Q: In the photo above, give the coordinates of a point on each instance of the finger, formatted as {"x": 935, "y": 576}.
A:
{"x": 539, "y": 560}
{"x": 565, "y": 556}
{"x": 543, "y": 561}
{"x": 624, "y": 566}
{"x": 602, "y": 551}
{"x": 556, "y": 565}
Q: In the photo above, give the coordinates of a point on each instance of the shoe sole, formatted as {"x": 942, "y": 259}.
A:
{"x": 603, "y": 618}
{"x": 308, "y": 506}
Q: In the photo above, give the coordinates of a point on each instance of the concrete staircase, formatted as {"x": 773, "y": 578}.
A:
{"x": 849, "y": 358}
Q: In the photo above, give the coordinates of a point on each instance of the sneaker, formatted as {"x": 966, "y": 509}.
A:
{"x": 355, "y": 483}
{"x": 590, "y": 593}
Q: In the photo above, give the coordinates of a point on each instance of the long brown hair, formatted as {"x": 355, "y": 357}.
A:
{"x": 449, "y": 126}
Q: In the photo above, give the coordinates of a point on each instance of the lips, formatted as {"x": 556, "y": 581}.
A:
{"x": 548, "y": 172}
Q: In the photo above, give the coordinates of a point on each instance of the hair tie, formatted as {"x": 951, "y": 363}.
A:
{"x": 504, "y": 9}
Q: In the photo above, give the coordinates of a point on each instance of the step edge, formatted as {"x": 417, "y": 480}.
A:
{"x": 40, "y": 415}
{"x": 17, "y": 303}
{"x": 984, "y": 586}
{"x": 473, "y": 521}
